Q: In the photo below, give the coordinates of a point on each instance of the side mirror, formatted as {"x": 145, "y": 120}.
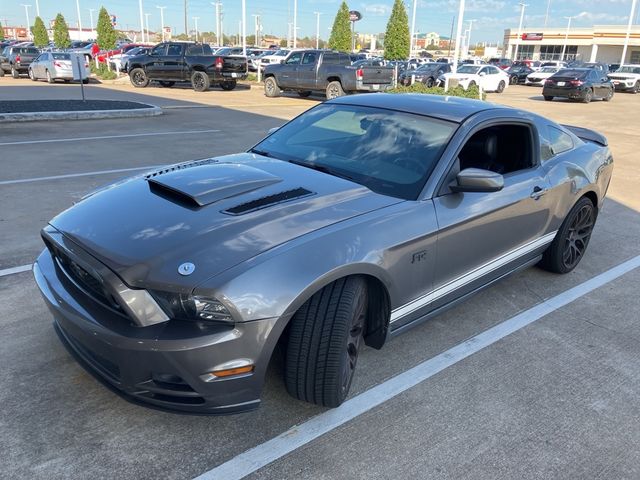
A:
{"x": 482, "y": 74}
{"x": 477, "y": 180}
{"x": 272, "y": 130}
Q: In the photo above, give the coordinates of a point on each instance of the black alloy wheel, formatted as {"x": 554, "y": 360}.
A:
{"x": 138, "y": 78}
{"x": 200, "y": 81}
{"x": 430, "y": 82}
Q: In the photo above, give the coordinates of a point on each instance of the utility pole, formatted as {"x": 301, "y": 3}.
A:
{"x": 317, "y": 14}
{"x": 413, "y": 28}
{"x": 26, "y": 11}
{"x": 91, "y": 10}
{"x": 626, "y": 38}
{"x": 522, "y": 7}
{"x": 146, "y": 22}
{"x": 289, "y": 25}
{"x": 295, "y": 22}
{"x": 195, "y": 20}
{"x": 162, "y": 20}
{"x": 456, "y": 52}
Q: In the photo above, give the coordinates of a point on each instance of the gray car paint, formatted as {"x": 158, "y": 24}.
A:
{"x": 265, "y": 265}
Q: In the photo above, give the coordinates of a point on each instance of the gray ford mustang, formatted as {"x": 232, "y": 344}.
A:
{"x": 360, "y": 218}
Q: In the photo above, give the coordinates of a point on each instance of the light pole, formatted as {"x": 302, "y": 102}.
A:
{"x": 195, "y": 20}
{"x": 546, "y": 16}
{"x": 38, "y": 8}
{"x": 141, "y": 20}
{"x": 522, "y": 7}
{"x": 91, "y": 10}
{"x": 566, "y": 36}
{"x": 317, "y": 14}
{"x": 244, "y": 28}
{"x": 469, "y": 36}
{"x": 219, "y": 41}
{"x": 295, "y": 21}
{"x": 256, "y": 23}
{"x": 79, "y": 20}
{"x": 626, "y": 38}
{"x": 26, "y": 11}
{"x": 413, "y": 28}
{"x": 456, "y": 52}
{"x": 162, "y": 20}
{"x": 146, "y": 22}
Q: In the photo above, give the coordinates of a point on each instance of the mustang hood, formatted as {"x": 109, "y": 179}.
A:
{"x": 214, "y": 213}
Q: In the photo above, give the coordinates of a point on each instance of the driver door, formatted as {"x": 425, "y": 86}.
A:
{"x": 289, "y": 71}
{"x": 154, "y": 66}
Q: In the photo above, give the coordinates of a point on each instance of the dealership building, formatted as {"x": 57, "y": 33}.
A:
{"x": 600, "y": 43}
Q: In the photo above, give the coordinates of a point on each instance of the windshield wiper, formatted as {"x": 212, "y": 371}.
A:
{"x": 264, "y": 153}
{"x": 322, "y": 168}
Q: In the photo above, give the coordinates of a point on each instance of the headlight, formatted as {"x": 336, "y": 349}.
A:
{"x": 192, "y": 308}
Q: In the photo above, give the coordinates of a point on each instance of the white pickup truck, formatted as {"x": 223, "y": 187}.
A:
{"x": 626, "y": 78}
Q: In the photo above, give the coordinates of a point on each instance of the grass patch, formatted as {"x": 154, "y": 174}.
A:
{"x": 102, "y": 72}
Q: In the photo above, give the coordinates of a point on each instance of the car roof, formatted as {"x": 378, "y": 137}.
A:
{"x": 454, "y": 109}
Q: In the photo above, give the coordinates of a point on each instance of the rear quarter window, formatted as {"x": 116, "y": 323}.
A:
{"x": 554, "y": 142}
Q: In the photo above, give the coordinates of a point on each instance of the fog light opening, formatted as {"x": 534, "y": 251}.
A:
{"x": 229, "y": 372}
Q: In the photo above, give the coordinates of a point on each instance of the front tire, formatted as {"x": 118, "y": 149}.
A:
{"x": 49, "y": 79}
{"x": 138, "y": 78}
{"x": 324, "y": 339}
{"x": 271, "y": 88}
{"x": 501, "y": 86}
{"x": 513, "y": 80}
{"x": 228, "y": 85}
{"x": 200, "y": 81}
{"x": 636, "y": 87}
{"x": 32, "y": 76}
{"x": 334, "y": 90}
{"x": 609, "y": 96}
{"x": 588, "y": 96}
{"x": 571, "y": 241}
{"x": 430, "y": 82}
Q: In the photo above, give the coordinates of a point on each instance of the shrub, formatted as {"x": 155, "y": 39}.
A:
{"x": 471, "y": 92}
{"x": 103, "y": 72}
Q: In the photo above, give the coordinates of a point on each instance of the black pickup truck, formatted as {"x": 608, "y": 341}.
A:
{"x": 171, "y": 62}
{"x": 306, "y": 71}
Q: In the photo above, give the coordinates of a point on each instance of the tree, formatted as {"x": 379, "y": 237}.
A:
{"x": 397, "y": 37}
{"x": 40, "y": 34}
{"x": 1, "y": 32}
{"x": 61, "y": 32}
{"x": 340, "y": 38}
{"x": 106, "y": 33}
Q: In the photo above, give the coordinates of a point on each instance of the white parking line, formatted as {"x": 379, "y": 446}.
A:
{"x": 106, "y": 137}
{"x": 12, "y": 270}
{"x": 73, "y": 175}
{"x": 299, "y": 435}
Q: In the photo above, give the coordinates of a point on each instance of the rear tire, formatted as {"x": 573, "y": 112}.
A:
{"x": 228, "y": 85}
{"x": 200, "y": 81}
{"x": 324, "y": 338}
{"x": 548, "y": 98}
{"x": 609, "y": 96}
{"x": 636, "y": 87}
{"x": 334, "y": 90}
{"x": 304, "y": 93}
{"x": 49, "y": 79}
{"x": 271, "y": 88}
{"x": 166, "y": 84}
{"x": 571, "y": 241}
{"x": 430, "y": 82}
{"x": 14, "y": 72}
{"x": 138, "y": 78}
{"x": 588, "y": 96}
{"x": 513, "y": 80}
{"x": 501, "y": 86}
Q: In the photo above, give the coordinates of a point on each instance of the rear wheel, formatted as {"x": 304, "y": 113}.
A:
{"x": 570, "y": 243}
{"x": 49, "y": 79}
{"x": 429, "y": 83}
{"x": 14, "y": 72}
{"x": 138, "y": 78}
{"x": 588, "y": 96}
{"x": 471, "y": 84}
{"x": 548, "y": 98}
{"x": 271, "y": 88}
{"x": 32, "y": 76}
{"x": 608, "y": 96}
{"x": 228, "y": 85}
{"x": 334, "y": 90}
{"x": 324, "y": 341}
{"x": 636, "y": 87}
{"x": 501, "y": 86}
{"x": 304, "y": 93}
{"x": 167, "y": 84}
{"x": 200, "y": 81}
{"x": 513, "y": 80}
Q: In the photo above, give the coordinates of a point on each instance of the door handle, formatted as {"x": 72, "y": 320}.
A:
{"x": 537, "y": 192}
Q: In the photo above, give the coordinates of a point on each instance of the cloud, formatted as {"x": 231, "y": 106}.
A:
{"x": 377, "y": 9}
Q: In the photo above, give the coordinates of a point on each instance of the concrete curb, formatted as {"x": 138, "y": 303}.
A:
{"x": 151, "y": 111}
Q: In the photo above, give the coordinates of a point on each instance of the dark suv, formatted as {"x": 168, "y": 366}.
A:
{"x": 17, "y": 60}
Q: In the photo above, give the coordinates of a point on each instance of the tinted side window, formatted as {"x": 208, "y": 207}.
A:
{"x": 159, "y": 50}
{"x": 206, "y": 50}
{"x": 193, "y": 50}
{"x": 174, "y": 50}
{"x": 293, "y": 59}
{"x": 309, "y": 59}
{"x": 559, "y": 141}
{"x": 330, "y": 58}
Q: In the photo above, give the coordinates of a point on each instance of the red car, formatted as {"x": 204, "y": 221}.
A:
{"x": 102, "y": 57}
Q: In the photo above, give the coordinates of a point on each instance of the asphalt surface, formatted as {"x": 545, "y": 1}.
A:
{"x": 23, "y": 106}
{"x": 557, "y": 399}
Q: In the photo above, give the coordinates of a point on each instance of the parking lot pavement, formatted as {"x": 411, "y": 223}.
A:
{"x": 556, "y": 399}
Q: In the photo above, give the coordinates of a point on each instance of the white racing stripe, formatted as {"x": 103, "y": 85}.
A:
{"x": 73, "y": 175}
{"x": 12, "y": 270}
{"x": 105, "y": 137}
{"x": 299, "y": 435}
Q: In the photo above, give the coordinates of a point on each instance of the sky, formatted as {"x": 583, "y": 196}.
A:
{"x": 490, "y": 17}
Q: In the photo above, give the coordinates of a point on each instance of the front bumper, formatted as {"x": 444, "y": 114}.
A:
{"x": 623, "y": 85}
{"x": 164, "y": 365}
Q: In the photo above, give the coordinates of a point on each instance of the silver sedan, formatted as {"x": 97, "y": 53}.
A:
{"x": 56, "y": 65}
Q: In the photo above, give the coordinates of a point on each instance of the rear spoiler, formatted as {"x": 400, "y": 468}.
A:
{"x": 588, "y": 135}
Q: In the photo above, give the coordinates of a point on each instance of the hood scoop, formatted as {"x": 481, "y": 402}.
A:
{"x": 268, "y": 201}
{"x": 205, "y": 184}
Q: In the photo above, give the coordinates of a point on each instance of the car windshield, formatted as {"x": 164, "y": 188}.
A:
{"x": 389, "y": 152}
{"x": 134, "y": 51}
{"x": 548, "y": 70}
{"x": 29, "y": 51}
{"x": 61, "y": 56}
{"x": 469, "y": 69}
{"x": 572, "y": 73}
{"x": 281, "y": 53}
{"x": 629, "y": 69}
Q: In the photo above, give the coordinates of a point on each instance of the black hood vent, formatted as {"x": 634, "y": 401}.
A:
{"x": 268, "y": 201}
{"x": 181, "y": 166}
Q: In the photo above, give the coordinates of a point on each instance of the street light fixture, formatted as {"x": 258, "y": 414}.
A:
{"x": 522, "y": 7}
{"x": 141, "y": 20}
{"x": 195, "y": 19}
{"x": 91, "y": 10}
{"x": 162, "y": 20}
{"x": 469, "y": 36}
{"x": 26, "y": 11}
{"x": 626, "y": 38}
{"x": 456, "y": 52}
{"x": 413, "y": 27}
{"x": 146, "y": 22}
{"x": 566, "y": 33}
